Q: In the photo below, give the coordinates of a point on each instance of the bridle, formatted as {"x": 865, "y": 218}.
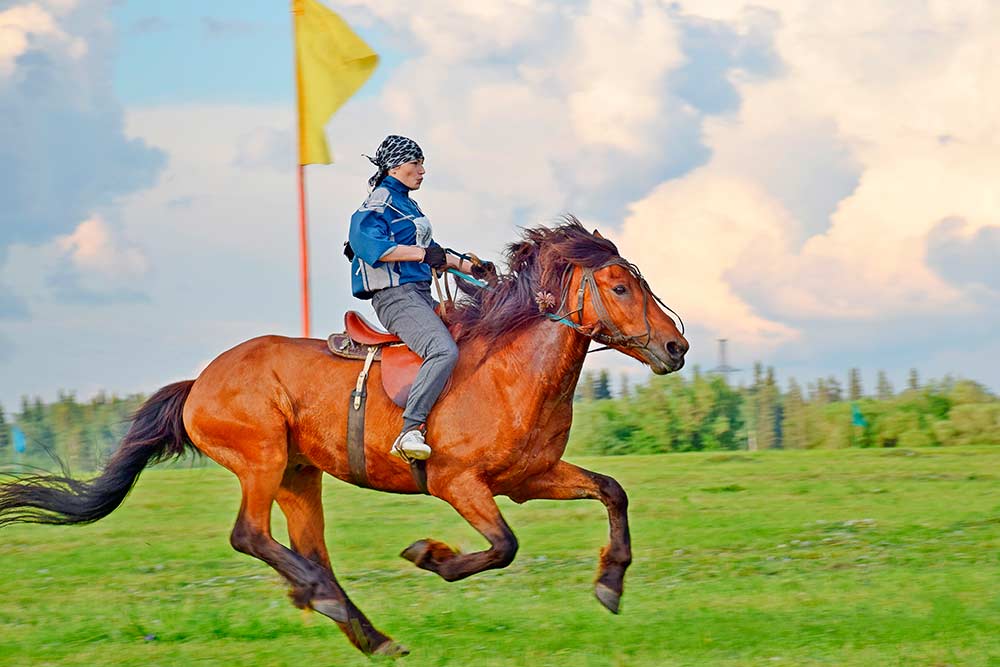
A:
{"x": 604, "y": 330}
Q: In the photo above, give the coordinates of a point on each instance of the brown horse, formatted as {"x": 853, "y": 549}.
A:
{"x": 273, "y": 410}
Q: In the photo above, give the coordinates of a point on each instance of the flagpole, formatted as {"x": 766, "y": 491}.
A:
{"x": 304, "y": 251}
{"x": 303, "y": 225}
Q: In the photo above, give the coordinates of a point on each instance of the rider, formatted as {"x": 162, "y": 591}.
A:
{"x": 394, "y": 255}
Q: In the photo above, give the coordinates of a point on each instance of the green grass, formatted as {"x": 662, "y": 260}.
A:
{"x": 846, "y": 558}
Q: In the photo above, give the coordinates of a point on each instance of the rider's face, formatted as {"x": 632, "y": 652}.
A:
{"x": 410, "y": 174}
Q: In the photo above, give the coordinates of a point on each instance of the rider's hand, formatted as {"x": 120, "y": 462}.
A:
{"x": 485, "y": 270}
{"x": 434, "y": 257}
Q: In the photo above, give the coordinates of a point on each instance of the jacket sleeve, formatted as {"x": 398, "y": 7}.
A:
{"x": 369, "y": 235}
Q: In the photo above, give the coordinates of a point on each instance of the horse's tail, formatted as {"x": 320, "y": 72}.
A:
{"x": 157, "y": 433}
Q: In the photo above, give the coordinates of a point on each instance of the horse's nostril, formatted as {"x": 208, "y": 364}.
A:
{"x": 674, "y": 350}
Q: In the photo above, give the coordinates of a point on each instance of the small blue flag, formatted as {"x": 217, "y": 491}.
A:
{"x": 18, "y": 439}
{"x": 858, "y": 419}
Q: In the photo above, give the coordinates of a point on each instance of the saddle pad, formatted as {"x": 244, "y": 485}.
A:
{"x": 341, "y": 345}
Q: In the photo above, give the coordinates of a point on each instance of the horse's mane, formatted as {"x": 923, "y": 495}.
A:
{"x": 535, "y": 268}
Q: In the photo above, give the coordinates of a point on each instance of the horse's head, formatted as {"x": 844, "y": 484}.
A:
{"x": 618, "y": 309}
{"x": 578, "y": 279}
{"x": 613, "y": 304}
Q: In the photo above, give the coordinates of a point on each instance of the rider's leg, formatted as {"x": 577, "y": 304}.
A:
{"x": 408, "y": 312}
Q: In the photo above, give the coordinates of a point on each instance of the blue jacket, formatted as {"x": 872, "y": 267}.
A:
{"x": 388, "y": 218}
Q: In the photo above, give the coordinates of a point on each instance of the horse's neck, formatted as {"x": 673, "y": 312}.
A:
{"x": 552, "y": 356}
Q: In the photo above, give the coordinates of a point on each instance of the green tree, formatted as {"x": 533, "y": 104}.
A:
{"x": 602, "y": 386}
{"x": 884, "y": 390}
{"x": 5, "y": 438}
{"x": 624, "y": 391}
{"x": 913, "y": 381}
{"x": 835, "y": 392}
{"x": 854, "y": 390}
{"x": 585, "y": 388}
{"x": 795, "y": 430}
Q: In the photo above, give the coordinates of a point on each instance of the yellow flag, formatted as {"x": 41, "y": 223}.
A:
{"x": 331, "y": 63}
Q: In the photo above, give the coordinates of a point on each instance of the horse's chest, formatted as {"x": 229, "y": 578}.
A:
{"x": 538, "y": 449}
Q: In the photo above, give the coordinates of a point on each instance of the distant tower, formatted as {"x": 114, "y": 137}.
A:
{"x": 723, "y": 369}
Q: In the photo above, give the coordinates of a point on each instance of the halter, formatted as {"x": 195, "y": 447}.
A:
{"x": 604, "y": 330}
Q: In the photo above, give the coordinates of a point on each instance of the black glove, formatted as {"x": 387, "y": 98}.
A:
{"x": 434, "y": 257}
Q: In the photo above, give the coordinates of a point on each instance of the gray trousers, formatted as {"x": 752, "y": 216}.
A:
{"x": 408, "y": 312}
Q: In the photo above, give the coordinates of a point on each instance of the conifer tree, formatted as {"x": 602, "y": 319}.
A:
{"x": 585, "y": 388}
{"x": 795, "y": 430}
{"x": 834, "y": 391}
{"x": 854, "y": 391}
{"x": 5, "y": 437}
{"x": 624, "y": 390}
{"x": 884, "y": 391}
{"x": 602, "y": 387}
{"x": 913, "y": 381}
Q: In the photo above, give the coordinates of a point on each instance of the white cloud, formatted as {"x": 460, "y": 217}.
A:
{"x": 93, "y": 249}
{"x": 25, "y": 23}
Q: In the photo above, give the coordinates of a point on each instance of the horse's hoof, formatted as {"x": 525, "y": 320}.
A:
{"x": 331, "y": 608}
{"x": 391, "y": 649}
{"x": 415, "y": 551}
{"x": 608, "y": 597}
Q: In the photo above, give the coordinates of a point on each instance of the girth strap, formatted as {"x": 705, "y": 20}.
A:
{"x": 356, "y": 424}
{"x": 356, "y": 432}
{"x": 419, "y": 471}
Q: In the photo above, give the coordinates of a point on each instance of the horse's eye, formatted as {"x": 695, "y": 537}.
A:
{"x": 619, "y": 289}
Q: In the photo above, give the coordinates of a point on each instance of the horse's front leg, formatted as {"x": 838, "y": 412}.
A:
{"x": 474, "y": 501}
{"x": 565, "y": 481}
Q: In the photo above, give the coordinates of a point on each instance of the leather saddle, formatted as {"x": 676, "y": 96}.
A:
{"x": 399, "y": 363}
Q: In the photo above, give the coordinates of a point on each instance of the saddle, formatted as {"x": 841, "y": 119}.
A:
{"x": 399, "y": 363}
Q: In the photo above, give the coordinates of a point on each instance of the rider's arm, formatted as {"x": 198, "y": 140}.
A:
{"x": 462, "y": 265}
{"x": 371, "y": 241}
{"x": 404, "y": 253}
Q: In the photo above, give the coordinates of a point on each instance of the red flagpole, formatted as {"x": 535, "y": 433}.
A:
{"x": 304, "y": 251}
{"x": 303, "y": 229}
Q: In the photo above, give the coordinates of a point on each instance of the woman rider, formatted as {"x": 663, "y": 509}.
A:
{"x": 394, "y": 256}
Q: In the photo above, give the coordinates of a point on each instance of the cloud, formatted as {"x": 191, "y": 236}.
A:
{"x": 11, "y": 306}
{"x": 63, "y": 151}
{"x": 94, "y": 265}
{"x": 965, "y": 256}
{"x": 268, "y": 147}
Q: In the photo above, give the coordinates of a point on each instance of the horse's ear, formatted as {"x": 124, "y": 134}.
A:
{"x": 598, "y": 234}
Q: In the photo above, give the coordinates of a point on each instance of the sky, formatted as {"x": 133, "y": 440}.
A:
{"x": 818, "y": 183}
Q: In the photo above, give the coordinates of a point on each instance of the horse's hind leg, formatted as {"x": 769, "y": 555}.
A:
{"x": 565, "y": 481}
{"x": 300, "y": 499}
{"x": 312, "y": 580}
{"x": 474, "y": 501}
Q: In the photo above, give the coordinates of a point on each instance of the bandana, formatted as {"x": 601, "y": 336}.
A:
{"x": 392, "y": 152}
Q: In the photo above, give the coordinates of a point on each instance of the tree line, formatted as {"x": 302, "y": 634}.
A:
{"x": 692, "y": 411}
{"x": 701, "y": 411}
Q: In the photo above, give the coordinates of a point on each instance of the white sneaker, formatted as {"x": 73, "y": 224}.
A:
{"x": 410, "y": 445}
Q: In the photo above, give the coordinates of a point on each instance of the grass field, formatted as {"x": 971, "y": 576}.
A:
{"x": 861, "y": 557}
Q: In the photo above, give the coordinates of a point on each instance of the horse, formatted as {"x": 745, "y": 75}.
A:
{"x": 273, "y": 411}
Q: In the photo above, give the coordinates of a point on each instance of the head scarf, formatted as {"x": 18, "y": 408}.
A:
{"x": 392, "y": 152}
